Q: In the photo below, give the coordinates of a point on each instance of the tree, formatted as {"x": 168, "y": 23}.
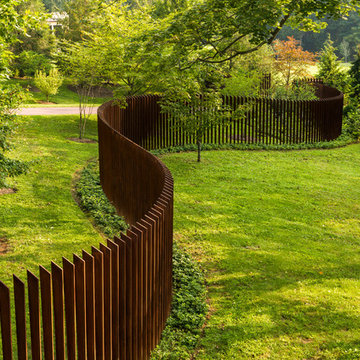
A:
{"x": 194, "y": 102}
{"x": 128, "y": 51}
{"x": 48, "y": 84}
{"x": 10, "y": 97}
{"x": 211, "y": 30}
{"x": 291, "y": 60}
{"x": 355, "y": 79}
{"x": 330, "y": 67}
{"x": 83, "y": 66}
{"x": 345, "y": 49}
{"x": 80, "y": 15}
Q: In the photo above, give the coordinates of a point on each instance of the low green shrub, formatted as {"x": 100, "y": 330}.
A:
{"x": 93, "y": 200}
{"x": 351, "y": 122}
{"x": 342, "y": 140}
{"x": 188, "y": 312}
{"x": 28, "y": 62}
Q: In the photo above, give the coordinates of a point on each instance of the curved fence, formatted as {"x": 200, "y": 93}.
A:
{"x": 113, "y": 303}
{"x": 267, "y": 121}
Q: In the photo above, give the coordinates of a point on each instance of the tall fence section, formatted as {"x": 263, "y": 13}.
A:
{"x": 266, "y": 121}
{"x": 113, "y": 302}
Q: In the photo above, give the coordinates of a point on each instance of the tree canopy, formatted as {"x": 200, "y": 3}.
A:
{"x": 212, "y": 30}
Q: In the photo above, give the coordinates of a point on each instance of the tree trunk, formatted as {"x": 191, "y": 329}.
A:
{"x": 199, "y": 150}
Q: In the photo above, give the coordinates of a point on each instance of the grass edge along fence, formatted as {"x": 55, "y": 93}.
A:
{"x": 267, "y": 121}
{"x": 111, "y": 303}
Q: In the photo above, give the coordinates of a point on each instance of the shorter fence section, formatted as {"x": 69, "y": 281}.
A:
{"x": 267, "y": 121}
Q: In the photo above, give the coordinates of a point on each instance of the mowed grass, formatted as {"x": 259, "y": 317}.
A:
{"x": 41, "y": 222}
{"x": 64, "y": 97}
{"x": 278, "y": 235}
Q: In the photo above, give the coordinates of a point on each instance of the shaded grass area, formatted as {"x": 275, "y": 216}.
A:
{"x": 41, "y": 221}
{"x": 278, "y": 234}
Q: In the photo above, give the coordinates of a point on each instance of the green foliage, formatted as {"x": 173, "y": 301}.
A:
{"x": 79, "y": 19}
{"x": 12, "y": 23}
{"x": 297, "y": 91}
{"x": 243, "y": 82}
{"x": 48, "y": 84}
{"x": 355, "y": 79}
{"x": 330, "y": 69}
{"x": 188, "y": 310}
{"x": 211, "y": 30}
{"x": 351, "y": 122}
{"x": 95, "y": 203}
{"x": 28, "y": 62}
{"x": 194, "y": 102}
{"x": 341, "y": 141}
{"x": 124, "y": 44}
{"x": 10, "y": 99}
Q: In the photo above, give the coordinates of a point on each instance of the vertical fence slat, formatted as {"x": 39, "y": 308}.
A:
{"x": 122, "y": 297}
{"x": 20, "y": 316}
{"x": 47, "y": 314}
{"x": 5, "y": 319}
{"x": 69, "y": 296}
{"x": 115, "y": 297}
{"x": 107, "y": 301}
{"x": 90, "y": 305}
{"x": 34, "y": 310}
{"x": 99, "y": 302}
{"x": 80, "y": 309}
{"x": 58, "y": 301}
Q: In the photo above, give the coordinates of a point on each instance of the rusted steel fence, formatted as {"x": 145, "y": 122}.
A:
{"x": 267, "y": 121}
{"x": 113, "y": 302}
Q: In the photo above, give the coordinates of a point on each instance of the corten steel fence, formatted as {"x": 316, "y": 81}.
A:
{"x": 113, "y": 302}
{"x": 267, "y": 121}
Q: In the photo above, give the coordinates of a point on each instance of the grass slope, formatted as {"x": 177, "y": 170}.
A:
{"x": 278, "y": 234}
{"x": 42, "y": 222}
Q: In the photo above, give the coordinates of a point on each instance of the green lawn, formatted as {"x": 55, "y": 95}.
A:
{"x": 278, "y": 235}
{"x": 64, "y": 96}
{"x": 42, "y": 222}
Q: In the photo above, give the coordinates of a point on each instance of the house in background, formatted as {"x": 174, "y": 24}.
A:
{"x": 56, "y": 19}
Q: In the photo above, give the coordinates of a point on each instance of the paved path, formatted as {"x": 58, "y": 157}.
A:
{"x": 52, "y": 111}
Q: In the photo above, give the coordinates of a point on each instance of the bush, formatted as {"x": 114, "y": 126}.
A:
{"x": 28, "y": 62}
{"x": 11, "y": 98}
{"x": 48, "y": 84}
{"x": 351, "y": 122}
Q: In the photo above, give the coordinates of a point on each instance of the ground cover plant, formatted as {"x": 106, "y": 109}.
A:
{"x": 278, "y": 234}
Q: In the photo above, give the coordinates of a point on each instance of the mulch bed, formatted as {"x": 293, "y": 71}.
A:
{"x": 3, "y": 245}
{"x": 4, "y": 191}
